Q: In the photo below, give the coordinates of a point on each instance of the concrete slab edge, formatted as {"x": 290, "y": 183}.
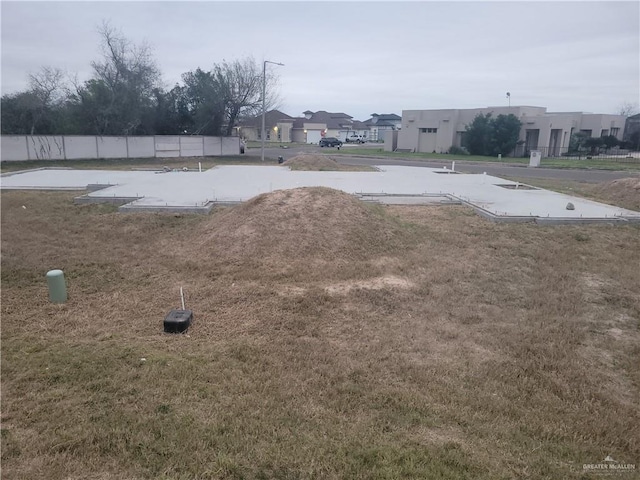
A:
{"x": 132, "y": 208}
{"x": 94, "y": 187}
{"x": 412, "y": 195}
{"x": 18, "y": 172}
{"x": 427, "y": 199}
{"x": 87, "y": 200}
{"x": 550, "y": 220}
{"x": 587, "y": 221}
{"x": 45, "y": 189}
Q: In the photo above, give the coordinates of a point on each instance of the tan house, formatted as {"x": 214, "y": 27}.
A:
{"x": 316, "y": 125}
{"x": 437, "y": 131}
{"x": 278, "y": 126}
{"x": 379, "y": 124}
{"x": 313, "y": 126}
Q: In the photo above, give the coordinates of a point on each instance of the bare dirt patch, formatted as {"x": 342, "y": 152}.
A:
{"x": 299, "y": 225}
{"x": 322, "y": 163}
{"x": 378, "y": 283}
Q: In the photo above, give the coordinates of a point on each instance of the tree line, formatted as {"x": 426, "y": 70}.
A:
{"x": 125, "y": 96}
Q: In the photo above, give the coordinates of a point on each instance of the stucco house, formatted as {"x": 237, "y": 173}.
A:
{"x": 315, "y": 125}
{"x": 278, "y": 126}
{"x": 378, "y": 124}
{"x": 312, "y": 126}
{"x": 550, "y": 132}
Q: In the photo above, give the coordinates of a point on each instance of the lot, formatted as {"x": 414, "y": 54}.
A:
{"x": 174, "y": 189}
{"x": 332, "y": 339}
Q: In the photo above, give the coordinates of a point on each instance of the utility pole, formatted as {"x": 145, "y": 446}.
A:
{"x": 264, "y": 94}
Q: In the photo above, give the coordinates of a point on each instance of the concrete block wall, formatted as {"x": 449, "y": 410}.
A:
{"x": 112, "y": 147}
{"x": 192, "y": 146}
{"x": 390, "y": 140}
{"x": 212, "y": 146}
{"x": 167, "y": 146}
{"x": 14, "y": 147}
{"x": 230, "y": 145}
{"x": 76, "y": 148}
{"x": 44, "y": 147}
{"x": 72, "y": 147}
{"x": 141, "y": 147}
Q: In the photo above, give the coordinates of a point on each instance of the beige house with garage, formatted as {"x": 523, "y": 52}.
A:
{"x": 278, "y": 127}
{"x": 313, "y": 126}
{"x": 437, "y": 131}
{"x": 316, "y": 125}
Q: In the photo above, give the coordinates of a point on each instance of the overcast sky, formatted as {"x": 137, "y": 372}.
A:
{"x": 359, "y": 57}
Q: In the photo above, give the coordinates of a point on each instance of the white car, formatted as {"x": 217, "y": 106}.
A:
{"x": 354, "y": 138}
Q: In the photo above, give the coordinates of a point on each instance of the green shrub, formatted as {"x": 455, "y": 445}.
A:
{"x": 458, "y": 151}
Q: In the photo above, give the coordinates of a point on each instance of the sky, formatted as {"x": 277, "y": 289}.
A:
{"x": 358, "y": 57}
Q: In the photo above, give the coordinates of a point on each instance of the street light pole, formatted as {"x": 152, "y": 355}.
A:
{"x": 264, "y": 93}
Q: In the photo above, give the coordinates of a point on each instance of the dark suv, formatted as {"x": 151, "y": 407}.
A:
{"x": 330, "y": 142}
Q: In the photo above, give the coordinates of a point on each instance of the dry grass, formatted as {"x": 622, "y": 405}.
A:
{"x": 316, "y": 162}
{"x": 332, "y": 339}
{"x": 624, "y": 192}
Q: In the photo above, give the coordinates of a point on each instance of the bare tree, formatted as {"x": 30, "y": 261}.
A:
{"x": 127, "y": 77}
{"x": 628, "y": 109}
{"x": 241, "y": 84}
{"x": 48, "y": 84}
{"x": 47, "y": 88}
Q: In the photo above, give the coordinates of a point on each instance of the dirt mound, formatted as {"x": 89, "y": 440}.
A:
{"x": 312, "y": 162}
{"x": 624, "y": 192}
{"x": 302, "y": 223}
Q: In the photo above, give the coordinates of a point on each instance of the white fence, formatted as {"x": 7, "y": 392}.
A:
{"x": 73, "y": 147}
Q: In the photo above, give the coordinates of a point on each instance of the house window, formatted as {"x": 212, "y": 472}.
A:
{"x": 604, "y": 132}
{"x": 279, "y": 134}
{"x": 429, "y": 130}
{"x": 615, "y": 131}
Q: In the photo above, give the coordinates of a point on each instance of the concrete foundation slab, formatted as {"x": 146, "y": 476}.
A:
{"x": 194, "y": 191}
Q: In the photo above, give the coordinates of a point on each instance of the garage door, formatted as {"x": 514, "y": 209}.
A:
{"x": 313, "y": 136}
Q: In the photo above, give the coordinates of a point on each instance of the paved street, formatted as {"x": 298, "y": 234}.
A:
{"x": 588, "y": 176}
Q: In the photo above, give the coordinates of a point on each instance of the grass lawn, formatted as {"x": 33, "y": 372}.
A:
{"x": 600, "y": 164}
{"x": 570, "y": 187}
{"x": 332, "y": 339}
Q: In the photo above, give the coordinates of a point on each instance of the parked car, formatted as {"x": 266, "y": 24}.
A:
{"x": 330, "y": 142}
{"x": 355, "y": 139}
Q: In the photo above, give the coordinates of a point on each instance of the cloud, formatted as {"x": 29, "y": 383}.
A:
{"x": 359, "y": 57}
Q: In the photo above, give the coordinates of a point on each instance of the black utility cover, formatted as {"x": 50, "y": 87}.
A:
{"x": 178, "y": 321}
